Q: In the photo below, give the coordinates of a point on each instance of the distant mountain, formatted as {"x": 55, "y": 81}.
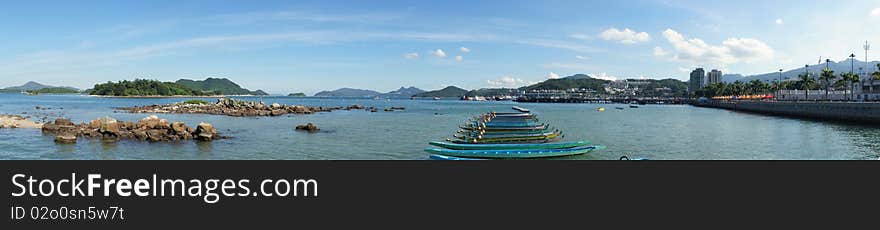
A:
{"x": 348, "y": 92}
{"x": 838, "y": 67}
{"x": 578, "y": 76}
{"x": 222, "y": 85}
{"x": 402, "y": 93}
{"x": 33, "y": 86}
{"x": 449, "y": 92}
{"x": 577, "y": 81}
{"x": 296, "y": 95}
{"x": 492, "y": 92}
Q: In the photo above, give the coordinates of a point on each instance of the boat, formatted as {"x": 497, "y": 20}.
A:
{"x": 521, "y": 109}
{"x": 633, "y": 106}
{"x": 436, "y": 98}
{"x": 513, "y": 153}
{"x": 600, "y": 109}
{"x": 509, "y": 138}
{"x": 620, "y": 108}
{"x": 490, "y": 132}
{"x": 449, "y": 158}
{"x": 556, "y": 145}
{"x": 503, "y": 124}
{"x": 504, "y": 129}
{"x": 536, "y": 141}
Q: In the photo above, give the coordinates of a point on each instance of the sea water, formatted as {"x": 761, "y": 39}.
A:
{"x": 651, "y": 131}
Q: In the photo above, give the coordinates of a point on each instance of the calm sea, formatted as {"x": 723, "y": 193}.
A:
{"x": 651, "y": 131}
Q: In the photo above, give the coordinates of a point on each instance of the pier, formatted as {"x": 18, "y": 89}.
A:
{"x": 861, "y": 112}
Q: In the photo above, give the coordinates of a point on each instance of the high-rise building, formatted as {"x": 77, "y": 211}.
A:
{"x": 697, "y": 80}
{"x": 713, "y": 77}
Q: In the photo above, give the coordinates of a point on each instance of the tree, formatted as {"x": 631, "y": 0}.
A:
{"x": 853, "y": 80}
{"x": 875, "y": 76}
{"x": 826, "y": 76}
{"x": 806, "y": 83}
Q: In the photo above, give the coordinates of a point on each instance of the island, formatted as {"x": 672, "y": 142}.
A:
{"x": 448, "y": 92}
{"x": 144, "y": 87}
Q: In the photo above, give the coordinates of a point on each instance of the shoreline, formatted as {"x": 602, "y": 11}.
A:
{"x": 858, "y": 112}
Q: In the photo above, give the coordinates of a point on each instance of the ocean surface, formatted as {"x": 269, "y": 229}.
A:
{"x": 655, "y": 132}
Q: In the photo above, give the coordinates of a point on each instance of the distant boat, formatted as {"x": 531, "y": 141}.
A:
{"x": 633, "y": 106}
{"x": 436, "y": 98}
{"x": 600, "y": 109}
{"x": 521, "y": 109}
{"x": 620, "y": 108}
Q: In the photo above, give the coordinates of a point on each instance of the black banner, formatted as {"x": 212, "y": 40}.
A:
{"x": 440, "y": 193}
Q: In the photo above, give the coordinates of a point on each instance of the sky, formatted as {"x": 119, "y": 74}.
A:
{"x": 308, "y": 46}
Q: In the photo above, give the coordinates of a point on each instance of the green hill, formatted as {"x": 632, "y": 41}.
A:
{"x": 492, "y": 92}
{"x": 222, "y": 85}
{"x": 571, "y": 82}
{"x": 54, "y": 90}
{"x": 450, "y": 91}
{"x": 296, "y": 95}
{"x": 144, "y": 87}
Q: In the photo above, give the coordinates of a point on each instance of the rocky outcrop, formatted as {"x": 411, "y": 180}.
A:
{"x": 15, "y": 121}
{"x": 241, "y": 108}
{"x": 308, "y": 127}
{"x": 150, "y": 128}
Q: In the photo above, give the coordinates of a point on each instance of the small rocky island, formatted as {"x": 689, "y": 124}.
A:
{"x": 242, "y": 108}
{"x": 148, "y": 129}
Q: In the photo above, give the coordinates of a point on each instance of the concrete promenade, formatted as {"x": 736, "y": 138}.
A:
{"x": 862, "y": 112}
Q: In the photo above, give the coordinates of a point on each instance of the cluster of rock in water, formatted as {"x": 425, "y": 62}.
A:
{"x": 148, "y": 129}
{"x": 243, "y": 108}
{"x": 16, "y": 121}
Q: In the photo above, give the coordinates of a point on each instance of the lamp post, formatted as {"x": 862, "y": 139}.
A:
{"x": 779, "y": 84}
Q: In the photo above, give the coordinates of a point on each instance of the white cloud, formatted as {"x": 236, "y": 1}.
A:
{"x": 552, "y": 75}
{"x": 603, "y": 76}
{"x": 779, "y": 21}
{"x": 464, "y": 50}
{"x": 411, "y": 56}
{"x": 625, "y": 36}
{"x": 439, "y": 53}
{"x": 876, "y": 12}
{"x": 507, "y": 82}
{"x": 459, "y": 58}
{"x": 660, "y": 52}
{"x": 580, "y": 57}
{"x": 730, "y": 51}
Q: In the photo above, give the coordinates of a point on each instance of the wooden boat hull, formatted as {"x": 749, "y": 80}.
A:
{"x": 557, "y": 145}
{"x": 513, "y": 153}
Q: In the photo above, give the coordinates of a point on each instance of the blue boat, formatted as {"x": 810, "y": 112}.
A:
{"x": 513, "y": 153}
{"x": 449, "y": 158}
{"x": 555, "y": 145}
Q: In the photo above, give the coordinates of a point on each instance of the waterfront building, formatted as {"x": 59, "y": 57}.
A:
{"x": 697, "y": 80}
{"x": 713, "y": 77}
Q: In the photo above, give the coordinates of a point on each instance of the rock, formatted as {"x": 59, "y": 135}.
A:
{"x": 108, "y": 126}
{"x": 150, "y": 122}
{"x": 301, "y": 109}
{"x": 398, "y": 108}
{"x": 308, "y": 127}
{"x": 156, "y": 135}
{"x": 278, "y": 112}
{"x": 179, "y": 128}
{"x": 163, "y": 124}
{"x": 374, "y": 110}
{"x": 205, "y": 132}
{"x": 63, "y": 121}
{"x": 65, "y": 139}
{"x": 140, "y": 134}
{"x": 276, "y": 106}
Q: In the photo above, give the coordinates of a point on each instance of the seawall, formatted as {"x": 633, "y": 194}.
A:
{"x": 862, "y": 112}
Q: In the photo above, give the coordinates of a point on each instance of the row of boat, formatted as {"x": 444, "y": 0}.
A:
{"x": 507, "y": 135}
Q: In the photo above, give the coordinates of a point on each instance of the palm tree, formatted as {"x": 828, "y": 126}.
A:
{"x": 826, "y": 76}
{"x": 806, "y": 83}
{"x": 854, "y": 79}
{"x": 738, "y": 88}
{"x": 756, "y": 86}
{"x": 874, "y": 76}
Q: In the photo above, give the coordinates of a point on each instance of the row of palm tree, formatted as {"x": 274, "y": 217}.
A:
{"x": 805, "y": 82}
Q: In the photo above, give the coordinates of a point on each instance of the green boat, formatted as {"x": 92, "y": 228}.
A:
{"x": 557, "y": 145}
{"x": 513, "y": 153}
{"x": 500, "y": 136}
{"x": 502, "y": 129}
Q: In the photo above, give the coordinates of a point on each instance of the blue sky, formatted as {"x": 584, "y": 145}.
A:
{"x": 308, "y": 46}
